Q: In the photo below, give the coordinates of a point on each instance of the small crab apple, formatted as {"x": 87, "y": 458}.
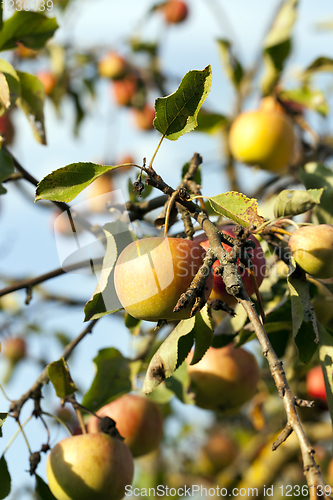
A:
{"x": 175, "y": 11}
{"x": 315, "y": 383}
{"x": 151, "y": 274}
{"x": 14, "y": 349}
{"x": 124, "y": 90}
{"x": 89, "y": 466}
{"x": 112, "y": 65}
{"x": 48, "y": 80}
{"x": 218, "y": 452}
{"x": 144, "y": 117}
{"x": 224, "y": 378}
{"x": 138, "y": 419}
{"x": 263, "y": 137}
{"x": 6, "y": 128}
{"x": 312, "y": 249}
{"x": 258, "y": 261}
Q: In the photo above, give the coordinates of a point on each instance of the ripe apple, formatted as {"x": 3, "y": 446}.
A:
{"x": 101, "y": 186}
{"x": 112, "y": 65}
{"x": 14, "y": 349}
{"x": 224, "y": 378}
{"x": 124, "y": 90}
{"x": 151, "y": 274}
{"x": 89, "y": 466}
{"x": 24, "y": 52}
{"x": 219, "y": 452}
{"x": 259, "y": 267}
{"x": 312, "y": 249}
{"x": 315, "y": 383}
{"x": 144, "y": 117}
{"x": 6, "y": 128}
{"x": 138, "y": 419}
{"x": 48, "y": 80}
{"x": 175, "y": 11}
{"x": 263, "y": 137}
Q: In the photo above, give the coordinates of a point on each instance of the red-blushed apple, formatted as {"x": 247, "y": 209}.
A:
{"x": 48, "y": 80}
{"x": 224, "y": 378}
{"x": 315, "y": 383}
{"x": 138, "y": 419}
{"x": 124, "y": 90}
{"x": 259, "y": 267}
{"x": 175, "y": 11}
{"x": 144, "y": 118}
{"x": 263, "y": 137}
{"x": 14, "y": 349}
{"x": 219, "y": 451}
{"x": 151, "y": 274}
{"x": 6, "y": 128}
{"x": 112, "y": 65}
{"x": 312, "y": 249}
{"x": 89, "y": 467}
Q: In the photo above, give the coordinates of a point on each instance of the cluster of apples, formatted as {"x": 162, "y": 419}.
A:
{"x": 128, "y": 88}
{"x": 97, "y": 465}
{"x": 163, "y": 270}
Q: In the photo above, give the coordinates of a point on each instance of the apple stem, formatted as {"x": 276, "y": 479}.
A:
{"x": 156, "y": 151}
{"x": 171, "y": 203}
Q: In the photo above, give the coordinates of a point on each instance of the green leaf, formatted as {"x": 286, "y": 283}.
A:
{"x": 294, "y": 202}
{"x": 59, "y": 375}
{"x": 179, "y": 384}
{"x": 315, "y": 175}
{"x": 10, "y": 86}
{"x": 277, "y": 44}
{"x": 42, "y": 490}
{"x": 305, "y": 328}
{"x": 133, "y": 324}
{"x": 170, "y": 354}
{"x": 104, "y": 299}
{"x": 231, "y": 64}
{"x": 177, "y": 113}
{"x": 309, "y": 98}
{"x": 30, "y": 28}
{"x": 6, "y": 165}
{"x": 5, "y": 483}
{"x": 3, "y": 417}
{"x": 203, "y": 334}
{"x": 65, "y": 183}
{"x": 2, "y": 190}
{"x": 237, "y": 207}
{"x": 1, "y": 15}
{"x": 326, "y": 359}
{"x": 319, "y": 64}
{"x": 211, "y": 123}
{"x": 32, "y": 103}
{"x": 111, "y": 380}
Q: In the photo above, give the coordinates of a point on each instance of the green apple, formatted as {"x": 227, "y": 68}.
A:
{"x": 89, "y": 467}
{"x": 312, "y": 249}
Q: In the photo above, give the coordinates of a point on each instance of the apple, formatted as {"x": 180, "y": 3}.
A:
{"x": 144, "y": 117}
{"x": 312, "y": 249}
{"x": 259, "y": 267}
{"x": 124, "y": 90}
{"x": 24, "y": 52}
{"x": 151, "y": 274}
{"x": 48, "y": 80}
{"x": 112, "y": 65}
{"x": 6, "y": 128}
{"x": 14, "y": 349}
{"x": 224, "y": 378}
{"x": 138, "y": 419}
{"x": 62, "y": 225}
{"x": 263, "y": 137}
{"x": 219, "y": 452}
{"x": 315, "y": 383}
{"x": 175, "y": 11}
{"x": 89, "y": 466}
{"x": 94, "y": 193}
